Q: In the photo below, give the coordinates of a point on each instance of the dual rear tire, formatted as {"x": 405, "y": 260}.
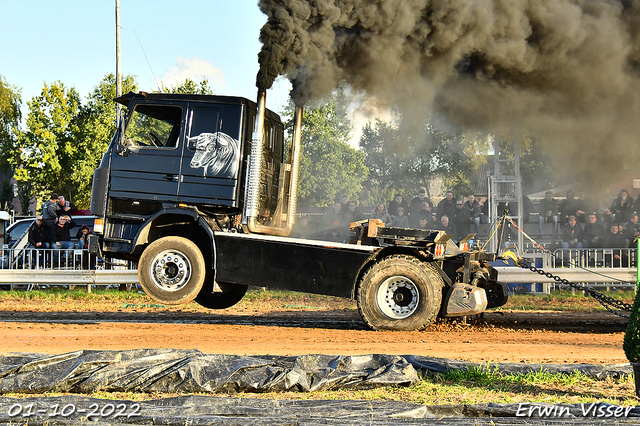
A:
{"x": 400, "y": 293}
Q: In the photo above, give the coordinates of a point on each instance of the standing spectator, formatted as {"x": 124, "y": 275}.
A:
{"x": 548, "y": 212}
{"x": 415, "y": 207}
{"x": 448, "y": 227}
{"x": 622, "y": 207}
{"x": 461, "y": 218}
{"x": 593, "y": 232}
{"x": 400, "y": 221}
{"x": 475, "y": 212}
{"x": 397, "y": 201}
{"x": 570, "y": 207}
{"x": 50, "y": 211}
{"x": 380, "y": 212}
{"x": 447, "y": 206}
{"x": 65, "y": 207}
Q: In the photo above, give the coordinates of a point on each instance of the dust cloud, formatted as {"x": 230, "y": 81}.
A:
{"x": 564, "y": 70}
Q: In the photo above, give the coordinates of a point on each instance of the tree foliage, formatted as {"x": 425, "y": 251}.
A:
{"x": 190, "y": 87}
{"x": 403, "y": 157}
{"x": 329, "y": 167}
{"x": 10, "y": 116}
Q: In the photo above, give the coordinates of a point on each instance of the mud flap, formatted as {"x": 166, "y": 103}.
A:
{"x": 464, "y": 299}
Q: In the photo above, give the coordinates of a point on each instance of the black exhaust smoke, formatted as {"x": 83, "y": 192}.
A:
{"x": 565, "y": 70}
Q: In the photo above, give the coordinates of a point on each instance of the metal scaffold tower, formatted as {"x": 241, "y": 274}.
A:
{"x": 505, "y": 192}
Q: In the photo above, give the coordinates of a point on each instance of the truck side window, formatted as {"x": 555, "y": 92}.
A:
{"x": 154, "y": 126}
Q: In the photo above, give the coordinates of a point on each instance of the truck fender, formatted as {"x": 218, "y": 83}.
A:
{"x": 173, "y": 215}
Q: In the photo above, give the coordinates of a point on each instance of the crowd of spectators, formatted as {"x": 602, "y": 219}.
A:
{"x": 52, "y": 226}
{"x": 456, "y": 217}
{"x": 612, "y": 223}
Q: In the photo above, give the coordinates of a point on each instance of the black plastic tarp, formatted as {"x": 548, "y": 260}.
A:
{"x": 209, "y": 410}
{"x": 187, "y": 371}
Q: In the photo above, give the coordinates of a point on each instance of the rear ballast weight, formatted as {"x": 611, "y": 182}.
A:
{"x": 205, "y": 226}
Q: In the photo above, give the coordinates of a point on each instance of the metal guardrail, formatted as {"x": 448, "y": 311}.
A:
{"x": 30, "y": 266}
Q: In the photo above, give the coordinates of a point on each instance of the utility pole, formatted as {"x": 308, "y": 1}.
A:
{"x": 118, "y": 64}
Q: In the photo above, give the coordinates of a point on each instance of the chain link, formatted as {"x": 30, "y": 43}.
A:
{"x": 612, "y": 305}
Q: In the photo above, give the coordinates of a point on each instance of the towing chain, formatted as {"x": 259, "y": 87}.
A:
{"x": 612, "y": 305}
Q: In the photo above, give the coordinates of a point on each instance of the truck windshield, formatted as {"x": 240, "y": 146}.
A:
{"x": 155, "y": 126}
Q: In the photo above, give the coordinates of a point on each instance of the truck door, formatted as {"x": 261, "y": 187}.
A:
{"x": 149, "y": 168}
{"x": 211, "y": 155}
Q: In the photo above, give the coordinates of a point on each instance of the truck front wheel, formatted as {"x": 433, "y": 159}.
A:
{"x": 172, "y": 270}
{"x": 400, "y": 293}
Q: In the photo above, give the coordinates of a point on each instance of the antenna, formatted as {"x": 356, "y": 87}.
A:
{"x": 145, "y": 56}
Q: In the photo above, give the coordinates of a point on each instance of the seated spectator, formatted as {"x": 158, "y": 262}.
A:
{"x": 461, "y": 218}
{"x": 572, "y": 235}
{"x": 39, "y": 234}
{"x": 446, "y": 206}
{"x": 622, "y": 207}
{"x": 476, "y": 216}
{"x": 615, "y": 240}
{"x": 570, "y": 207}
{"x": 448, "y": 228}
{"x": 397, "y": 201}
{"x": 548, "y": 212}
{"x": 302, "y": 229}
{"x": 424, "y": 223}
{"x": 351, "y": 214}
{"x": 334, "y": 213}
{"x": 400, "y": 221}
{"x": 83, "y": 237}
{"x": 426, "y": 212}
{"x": 416, "y": 205}
{"x": 593, "y": 232}
{"x": 380, "y": 212}
{"x": 633, "y": 229}
{"x": 335, "y": 234}
{"x": 59, "y": 235}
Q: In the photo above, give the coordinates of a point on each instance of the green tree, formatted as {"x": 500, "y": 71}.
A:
{"x": 10, "y": 117}
{"x": 329, "y": 166}
{"x": 403, "y": 156}
{"x": 44, "y": 154}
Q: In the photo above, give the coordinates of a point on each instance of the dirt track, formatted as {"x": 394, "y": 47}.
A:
{"x": 594, "y": 338}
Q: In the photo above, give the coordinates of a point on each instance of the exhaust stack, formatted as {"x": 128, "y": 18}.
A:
{"x": 256, "y": 168}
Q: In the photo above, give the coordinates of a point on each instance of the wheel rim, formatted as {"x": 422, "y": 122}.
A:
{"x": 398, "y": 297}
{"x": 171, "y": 270}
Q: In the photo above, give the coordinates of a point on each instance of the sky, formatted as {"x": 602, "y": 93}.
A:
{"x": 162, "y": 42}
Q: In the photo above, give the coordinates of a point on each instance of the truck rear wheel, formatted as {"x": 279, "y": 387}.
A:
{"x": 400, "y": 293}
{"x": 172, "y": 270}
{"x": 230, "y": 295}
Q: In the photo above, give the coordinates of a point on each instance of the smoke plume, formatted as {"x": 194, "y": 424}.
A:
{"x": 565, "y": 70}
